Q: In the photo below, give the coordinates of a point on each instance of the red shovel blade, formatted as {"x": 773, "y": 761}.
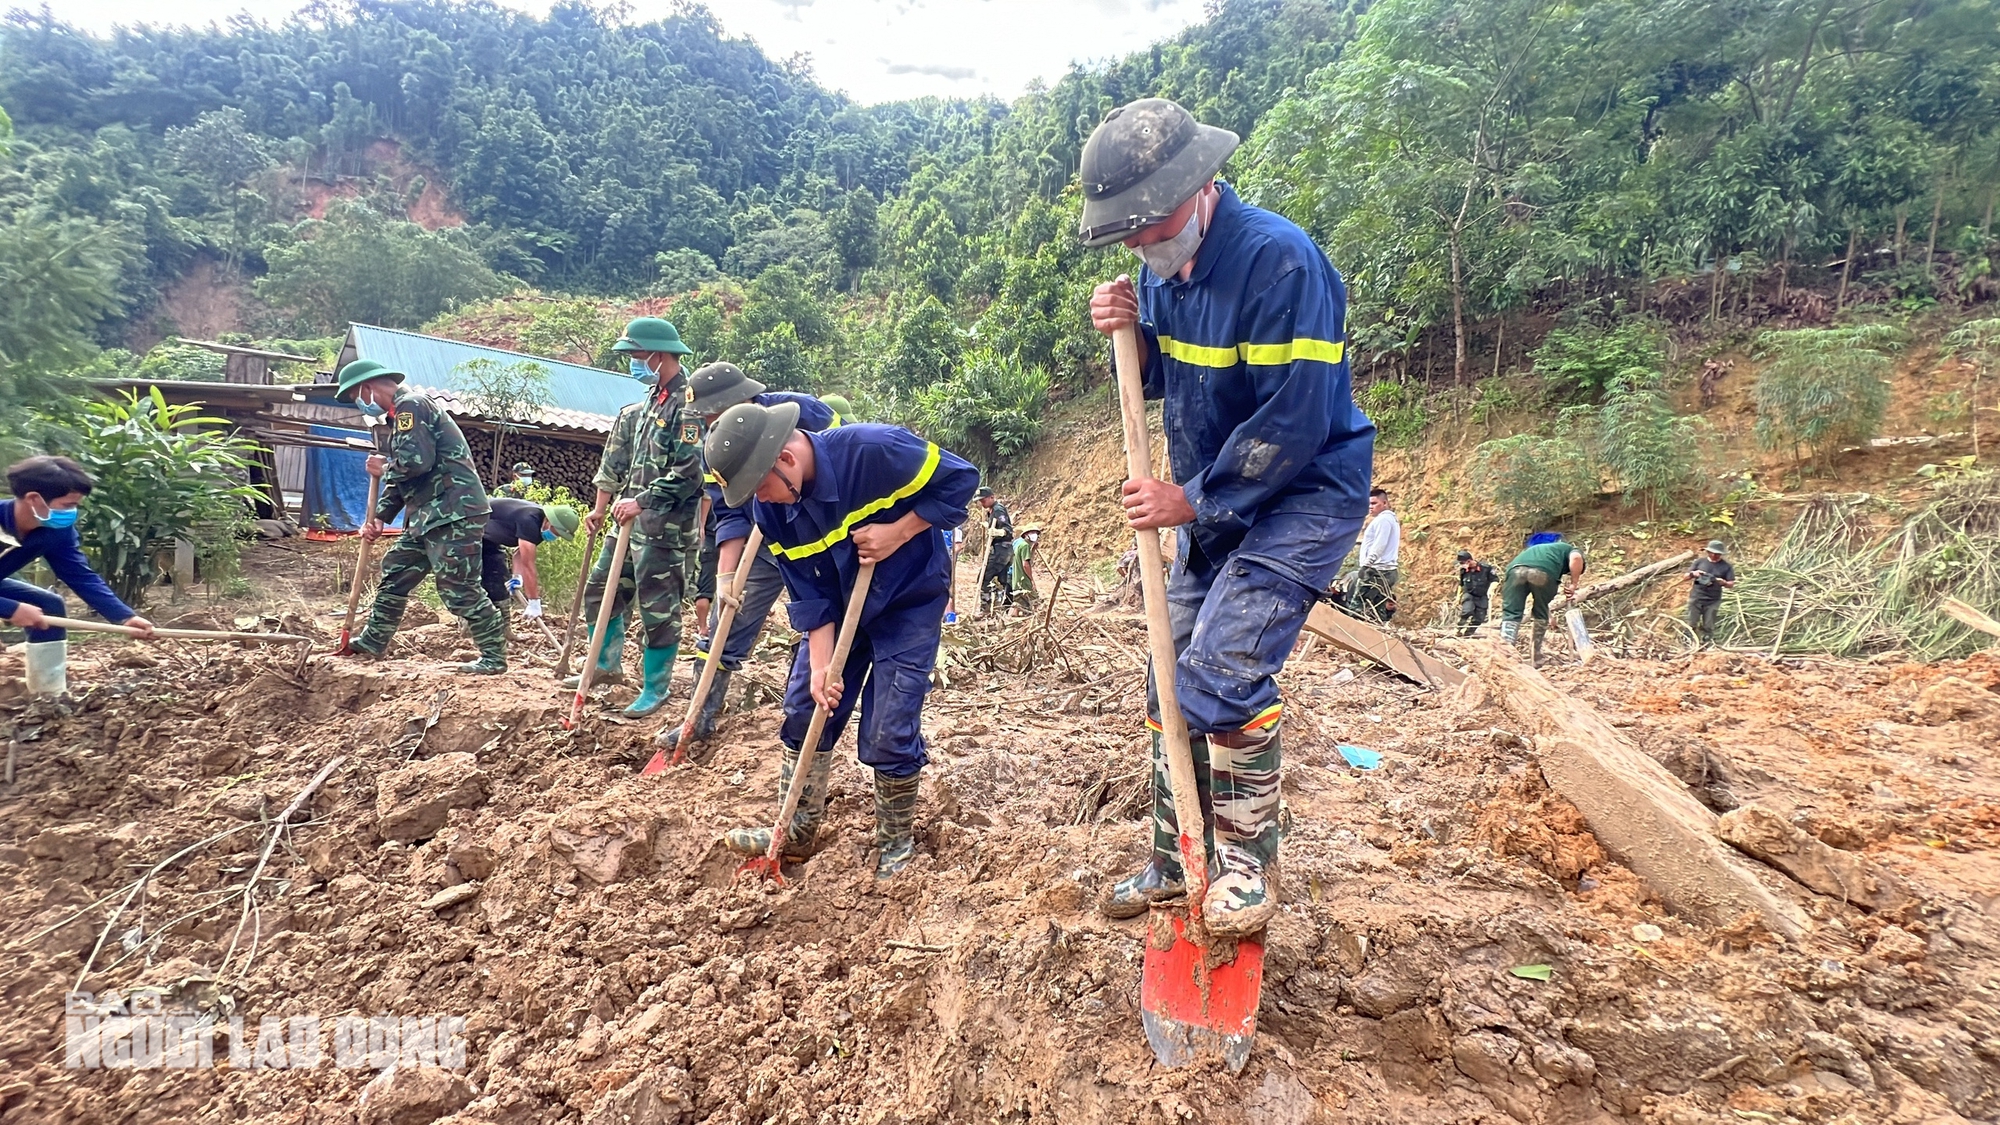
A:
{"x": 763, "y": 865}
{"x": 1191, "y": 1008}
{"x": 657, "y": 764}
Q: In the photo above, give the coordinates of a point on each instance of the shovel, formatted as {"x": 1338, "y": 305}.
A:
{"x": 51, "y": 621}
{"x": 360, "y": 568}
{"x": 576, "y": 603}
{"x": 1197, "y": 997}
{"x": 603, "y": 623}
{"x": 767, "y": 864}
{"x": 732, "y": 600}
{"x": 543, "y": 622}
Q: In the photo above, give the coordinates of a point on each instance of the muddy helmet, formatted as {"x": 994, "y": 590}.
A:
{"x": 743, "y": 445}
{"x": 1144, "y": 160}
{"x": 715, "y": 387}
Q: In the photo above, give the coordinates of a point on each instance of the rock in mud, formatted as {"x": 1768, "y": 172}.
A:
{"x": 1830, "y": 871}
{"x": 654, "y": 1098}
{"x": 413, "y": 1096}
{"x": 1952, "y": 699}
{"x": 412, "y": 802}
{"x": 605, "y": 842}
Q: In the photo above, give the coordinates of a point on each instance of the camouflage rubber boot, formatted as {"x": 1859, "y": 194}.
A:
{"x": 610, "y": 662}
{"x": 489, "y": 632}
{"x": 895, "y": 822}
{"x": 805, "y": 819}
{"x": 1162, "y": 878}
{"x": 1541, "y": 633}
{"x": 1244, "y": 894}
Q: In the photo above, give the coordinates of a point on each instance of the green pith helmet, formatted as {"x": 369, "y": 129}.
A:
{"x": 1142, "y": 161}
{"x": 716, "y": 387}
{"x": 744, "y": 444}
{"x": 651, "y": 334}
{"x": 523, "y": 469}
{"x": 563, "y": 520}
{"x": 359, "y": 372}
{"x": 1715, "y": 547}
{"x": 840, "y": 406}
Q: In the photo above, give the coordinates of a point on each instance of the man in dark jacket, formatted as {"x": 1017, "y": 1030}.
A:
{"x": 1475, "y": 580}
{"x": 40, "y": 523}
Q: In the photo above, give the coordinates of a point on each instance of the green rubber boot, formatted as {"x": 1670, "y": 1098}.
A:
{"x": 610, "y": 662}
{"x": 895, "y": 822}
{"x": 659, "y": 666}
{"x": 805, "y": 819}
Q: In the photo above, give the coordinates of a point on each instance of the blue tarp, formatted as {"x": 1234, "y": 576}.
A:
{"x": 337, "y": 483}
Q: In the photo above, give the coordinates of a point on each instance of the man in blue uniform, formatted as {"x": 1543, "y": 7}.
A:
{"x": 40, "y": 523}
{"x": 827, "y": 503}
{"x": 712, "y": 390}
{"x": 1242, "y": 329}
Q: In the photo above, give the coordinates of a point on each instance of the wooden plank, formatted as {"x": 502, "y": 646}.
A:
{"x": 1633, "y": 578}
{"x": 1393, "y": 653}
{"x": 1642, "y": 814}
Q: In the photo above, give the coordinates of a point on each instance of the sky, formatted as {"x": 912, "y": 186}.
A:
{"x": 873, "y": 50}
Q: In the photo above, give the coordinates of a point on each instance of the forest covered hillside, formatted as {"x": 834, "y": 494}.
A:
{"x": 1554, "y": 196}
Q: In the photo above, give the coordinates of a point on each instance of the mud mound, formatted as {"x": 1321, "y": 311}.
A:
{"x": 470, "y": 858}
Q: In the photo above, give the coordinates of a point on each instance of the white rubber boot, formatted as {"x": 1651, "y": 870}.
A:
{"x": 48, "y": 668}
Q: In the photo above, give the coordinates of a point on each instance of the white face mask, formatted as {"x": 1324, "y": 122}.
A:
{"x": 1167, "y": 258}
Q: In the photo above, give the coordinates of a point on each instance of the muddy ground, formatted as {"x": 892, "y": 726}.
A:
{"x": 612, "y": 970}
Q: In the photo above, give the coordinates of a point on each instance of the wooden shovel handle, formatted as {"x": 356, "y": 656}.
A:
{"x": 71, "y": 623}
{"x": 843, "y": 643}
{"x": 361, "y": 559}
{"x": 1159, "y": 628}
{"x": 576, "y": 602}
{"x": 727, "y": 617}
{"x": 589, "y": 669}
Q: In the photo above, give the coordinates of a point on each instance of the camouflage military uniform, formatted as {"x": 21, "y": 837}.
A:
{"x": 430, "y": 473}
{"x": 653, "y": 456}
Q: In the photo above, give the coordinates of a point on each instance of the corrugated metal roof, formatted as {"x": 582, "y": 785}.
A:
{"x": 583, "y": 397}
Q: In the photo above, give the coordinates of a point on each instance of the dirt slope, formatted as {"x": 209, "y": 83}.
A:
{"x": 612, "y": 970}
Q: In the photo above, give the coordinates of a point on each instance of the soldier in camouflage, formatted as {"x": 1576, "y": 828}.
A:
{"x": 650, "y": 472}
{"x": 427, "y": 473}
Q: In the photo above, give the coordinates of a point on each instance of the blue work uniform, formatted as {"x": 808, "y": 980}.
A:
{"x": 761, "y": 591}
{"x": 1249, "y": 354}
{"x": 862, "y": 474}
{"x": 56, "y": 546}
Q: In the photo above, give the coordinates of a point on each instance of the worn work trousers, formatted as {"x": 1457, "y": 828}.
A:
{"x": 495, "y": 568}
{"x": 1523, "y": 583}
{"x": 704, "y": 568}
{"x": 449, "y": 552}
{"x": 888, "y": 673}
{"x": 760, "y": 593}
{"x": 48, "y": 601}
{"x": 1701, "y": 618}
{"x": 655, "y": 575}
{"x": 1372, "y": 586}
{"x": 1472, "y": 613}
{"x": 993, "y": 584}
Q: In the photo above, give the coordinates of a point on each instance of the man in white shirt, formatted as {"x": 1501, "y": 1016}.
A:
{"x": 1381, "y": 543}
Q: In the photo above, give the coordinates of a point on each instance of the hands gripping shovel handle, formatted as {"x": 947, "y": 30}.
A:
{"x": 767, "y": 864}
{"x": 1190, "y": 1002}
{"x": 603, "y": 622}
{"x": 731, "y": 602}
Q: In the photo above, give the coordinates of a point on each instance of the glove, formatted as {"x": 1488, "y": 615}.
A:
{"x": 534, "y": 608}
{"x": 514, "y": 584}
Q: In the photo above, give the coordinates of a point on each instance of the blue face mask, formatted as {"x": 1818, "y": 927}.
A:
{"x": 548, "y": 536}
{"x": 643, "y": 373}
{"x": 63, "y": 518}
{"x": 369, "y": 408}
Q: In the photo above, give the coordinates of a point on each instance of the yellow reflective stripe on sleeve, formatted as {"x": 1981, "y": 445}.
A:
{"x": 1272, "y": 355}
{"x": 923, "y": 477}
{"x": 1196, "y": 354}
{"x": 1267, "y": 355}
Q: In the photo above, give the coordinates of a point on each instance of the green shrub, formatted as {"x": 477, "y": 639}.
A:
{"x": 162, "y": 473}
{"x": 1651, "y": 452}
{"x": 1822, "y": 388}
{"x": 1398, "y": 411}
{"x": 1493, "y": 396}
{"x": 1534, "y": 479}
{"x": 1579, "y": 364}
{"x": 989, "y": 409}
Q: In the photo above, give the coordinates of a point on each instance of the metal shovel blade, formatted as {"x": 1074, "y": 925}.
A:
{"x": 657, "y": 764}
{"x": 1191, "y": 1009}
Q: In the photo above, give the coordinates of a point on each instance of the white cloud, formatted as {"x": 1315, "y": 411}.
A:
{"x": 874, "y": 50}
